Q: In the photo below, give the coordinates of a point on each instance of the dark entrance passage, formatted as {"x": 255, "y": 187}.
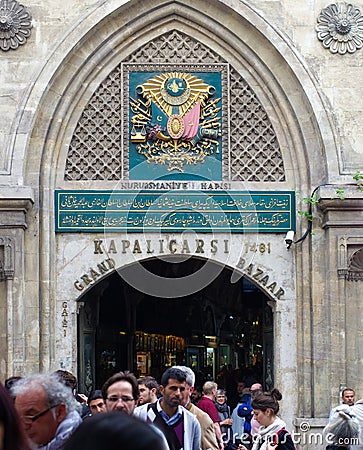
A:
{"x": 222, "y": 329}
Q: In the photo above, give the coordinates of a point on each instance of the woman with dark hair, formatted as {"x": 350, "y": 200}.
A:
{"x": 12, "y": 435}
{"x": 116, "y": 430}
{"x": 272, "y": 434}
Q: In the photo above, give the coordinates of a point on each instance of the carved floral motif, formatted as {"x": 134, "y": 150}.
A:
{"x": 340, "y": 28}
{"x": 15, "y": 24}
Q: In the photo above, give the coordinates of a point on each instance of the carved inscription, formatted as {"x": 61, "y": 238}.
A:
{"x": 65, "y": 318}
{"x": 258, "y": 274}
{"x": 254, "y": 272}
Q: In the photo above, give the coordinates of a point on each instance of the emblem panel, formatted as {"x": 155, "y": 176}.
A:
{"x": 176, "y": 122}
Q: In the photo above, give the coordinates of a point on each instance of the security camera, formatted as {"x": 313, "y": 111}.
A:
{"x": 289, "y": 239}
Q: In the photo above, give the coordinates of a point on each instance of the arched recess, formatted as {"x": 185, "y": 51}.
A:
{"x": 262, "y": 56}
{"x": 228, "y": 322}
{"x": 106, "y": 36}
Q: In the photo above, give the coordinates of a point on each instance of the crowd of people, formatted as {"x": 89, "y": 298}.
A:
{"x": 46, "y": 412}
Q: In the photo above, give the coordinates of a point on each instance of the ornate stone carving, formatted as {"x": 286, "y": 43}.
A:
{"x": 89, "y": 377}
{"x": 7, "y": 253}
{"x": 351, "y": 258}
{"x": 340, "y": 28}
{"x": 255, "y": 152}
{"x": 15, "y": 24}
{"x": 95, "y": 150}
{"x": 355, "y": 267}
{"x": 96, "y": 153}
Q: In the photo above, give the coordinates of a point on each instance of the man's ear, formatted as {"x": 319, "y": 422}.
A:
{"x": 191, "y": 389}
{"x": 60, "y": 412}
{"x": 161, "y": 389}
{"x": 153, "y": 390}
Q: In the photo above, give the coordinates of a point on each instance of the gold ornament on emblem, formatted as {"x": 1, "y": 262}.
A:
{"x": 175, "y": 126}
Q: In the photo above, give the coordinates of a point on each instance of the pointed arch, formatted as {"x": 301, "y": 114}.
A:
{"x": 108, "y": 34}
{"x": 267, "y": 62}
{"x": 253, "y": 152}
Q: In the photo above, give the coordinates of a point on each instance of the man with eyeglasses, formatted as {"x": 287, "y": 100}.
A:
{"x": 47, "y": 410}
{"x": 121, "y": 392}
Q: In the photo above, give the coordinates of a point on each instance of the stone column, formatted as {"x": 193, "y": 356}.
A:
{"x": 336, "y": 314}
{"x": 13, "y": 209}
{"x": 342, "y": 220}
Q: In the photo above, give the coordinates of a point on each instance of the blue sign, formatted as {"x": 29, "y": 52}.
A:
{"x": 175, "y": 211}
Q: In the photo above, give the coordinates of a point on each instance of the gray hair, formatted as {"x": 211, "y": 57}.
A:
{"x": 189, "y": 374}
{"x": 343, "y": 428}
{"x": 209, "y": 387}
{"x": 56, "y": 391}
{"x": 222, "y": 392}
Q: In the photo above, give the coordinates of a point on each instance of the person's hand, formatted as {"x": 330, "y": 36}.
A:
{"x": 227, "y": 422}
{"x": 83, "y": 397}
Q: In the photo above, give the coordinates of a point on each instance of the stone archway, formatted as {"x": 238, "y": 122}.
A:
{"x": 109, "y": 34}
{"x": 224, "y": 325}
{"x": 272, "y": 69}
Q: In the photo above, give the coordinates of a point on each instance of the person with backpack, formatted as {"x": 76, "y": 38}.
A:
{"x": 245, "y": 412}
{"x": 179, "y": 426}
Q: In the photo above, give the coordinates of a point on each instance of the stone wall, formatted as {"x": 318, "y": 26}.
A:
{"x": 57, "y": 27}
{"x": 312, "y": 96}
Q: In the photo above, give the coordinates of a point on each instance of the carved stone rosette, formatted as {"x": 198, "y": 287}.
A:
{"x": 15, "y": 24}
{"x": 340, "y": 28}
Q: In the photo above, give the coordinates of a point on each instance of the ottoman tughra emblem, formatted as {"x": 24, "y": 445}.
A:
{"x": 175, "y": 120}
